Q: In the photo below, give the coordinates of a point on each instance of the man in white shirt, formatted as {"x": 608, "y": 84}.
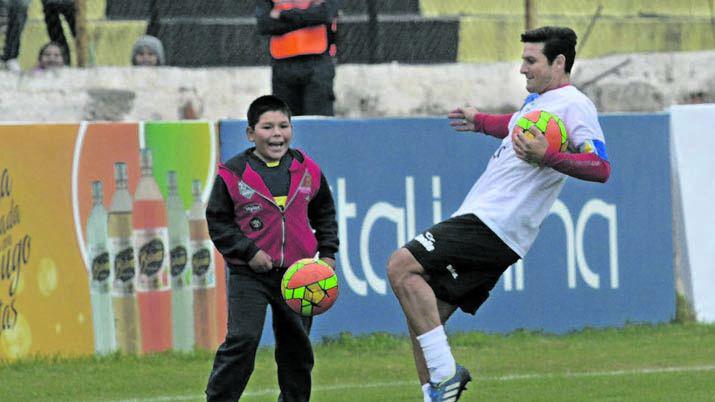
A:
{"x": 457, "y": 262}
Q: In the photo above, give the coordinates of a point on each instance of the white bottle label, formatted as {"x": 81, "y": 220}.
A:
{"x": 180, "y": 269}
{"x": 152, "y": 259}
{"x": 121, "y": 258}
{"x": 99, "y": 269}
{"x": 202, "y": 264}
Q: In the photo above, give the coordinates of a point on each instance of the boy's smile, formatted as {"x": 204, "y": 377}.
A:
{"x": 272, "y": 135}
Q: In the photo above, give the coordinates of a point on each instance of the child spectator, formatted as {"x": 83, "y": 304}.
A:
{"x": 50, "y": 56}
{"x": 263, "y": 208}
{"x": 52, "y": 10}
{"x": 148, "y": 51}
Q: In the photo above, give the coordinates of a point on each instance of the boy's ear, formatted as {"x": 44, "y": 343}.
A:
{"x": 250, "y": 134}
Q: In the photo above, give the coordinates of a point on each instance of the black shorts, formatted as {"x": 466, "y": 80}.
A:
{"x": 463, "y": 260}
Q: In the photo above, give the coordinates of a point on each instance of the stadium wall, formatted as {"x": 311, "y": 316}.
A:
{"x": 627, "y": 83}
{"x": 604, "y": 258}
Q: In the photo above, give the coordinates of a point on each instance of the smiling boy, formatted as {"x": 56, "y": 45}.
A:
{"x": 264, "y": 206}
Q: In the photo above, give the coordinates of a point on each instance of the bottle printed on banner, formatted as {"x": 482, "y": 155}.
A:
{"x": 203, "y": 271}
{"x": 122, "y": 260}
{"x": 182, "y": 296}
{"x": 100, "y": 274}
{"x": 151, "y": 242}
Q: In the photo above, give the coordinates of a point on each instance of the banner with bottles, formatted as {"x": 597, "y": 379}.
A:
{"x": 103, "y": 239}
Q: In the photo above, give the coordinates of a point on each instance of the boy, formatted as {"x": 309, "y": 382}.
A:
{"x": 263, "y": 208}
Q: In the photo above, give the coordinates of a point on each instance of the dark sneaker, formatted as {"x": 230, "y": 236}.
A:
{"x": 450, "y": 389}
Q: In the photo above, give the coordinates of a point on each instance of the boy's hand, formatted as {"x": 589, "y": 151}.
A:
{"x": 329, "y": 261}
{"x": 261, "y": 262}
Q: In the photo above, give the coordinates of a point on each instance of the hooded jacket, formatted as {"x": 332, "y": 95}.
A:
{"x": 243, "y": 217}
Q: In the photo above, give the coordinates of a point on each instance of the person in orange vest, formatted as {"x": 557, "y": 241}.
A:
{"x": 302, "y": 46}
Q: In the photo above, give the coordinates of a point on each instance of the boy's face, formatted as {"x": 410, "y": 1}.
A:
{"x": 272, "y": 135}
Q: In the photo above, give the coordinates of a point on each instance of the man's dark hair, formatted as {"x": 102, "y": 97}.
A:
{"x": 556, "y": 40}
{"x": 263, "y": 104}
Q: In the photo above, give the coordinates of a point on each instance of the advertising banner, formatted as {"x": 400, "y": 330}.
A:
{"x": 88, "y": 217}
{"x": 604, "y": 256}
{"x": 44, "y": 295}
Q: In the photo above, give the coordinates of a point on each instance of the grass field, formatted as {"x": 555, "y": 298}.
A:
{"x": 674, "y": 363}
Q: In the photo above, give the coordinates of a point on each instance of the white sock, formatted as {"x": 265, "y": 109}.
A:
{"x": 438, "y": 355}
{"x": 425, "y": 392}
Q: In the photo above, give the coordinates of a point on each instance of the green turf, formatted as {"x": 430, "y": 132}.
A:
{"x": 674, "y": 362}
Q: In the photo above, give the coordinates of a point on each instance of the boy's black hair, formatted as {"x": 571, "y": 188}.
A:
{"x": 263, "y": 104}
{"x": 556, "y": 40}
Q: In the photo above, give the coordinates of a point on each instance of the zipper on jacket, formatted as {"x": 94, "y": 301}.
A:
{"x": 283, "y": 216}
{"x": 283, "y": 235}
{"x": 283, "y": 219}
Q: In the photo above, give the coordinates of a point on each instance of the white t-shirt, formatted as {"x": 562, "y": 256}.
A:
{"x": 513, "y": 197}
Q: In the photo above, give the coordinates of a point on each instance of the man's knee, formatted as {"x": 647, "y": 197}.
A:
{"x": 400, "y": 265}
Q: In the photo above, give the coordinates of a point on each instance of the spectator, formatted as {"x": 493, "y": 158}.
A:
{"x": 269, "y": 207}
{"x": 302, "y": 47}
{"x": 51, "y": 56}
{"x": 148, "y": 51}
{"x": 52, "y": 10}
{"x": 16, "y": 18}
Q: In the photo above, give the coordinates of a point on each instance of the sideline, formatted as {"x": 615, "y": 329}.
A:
{"x": 512, "y": 377}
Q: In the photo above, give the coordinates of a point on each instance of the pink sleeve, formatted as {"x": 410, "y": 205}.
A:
{"x": 585, "y": 166}
{"x": 496, "y": 125}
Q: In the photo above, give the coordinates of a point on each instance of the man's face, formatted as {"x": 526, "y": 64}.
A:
{"x": 52, "y": 57}
{"x": 146, "y": 57}
{"x": 540, "y": 75}
{"x": 272, "y": 135}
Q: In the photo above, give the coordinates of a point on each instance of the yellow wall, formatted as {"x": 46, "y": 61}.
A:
{"x": 484, "y": 39}
{"x": 694, "y": 8}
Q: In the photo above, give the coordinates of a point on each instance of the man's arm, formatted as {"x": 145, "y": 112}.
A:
{"x": 470, "y": 119}
{"x": 224, "y": 232}
{"x": 321, "y": 12}
{"x": 584, "y": 166}
{"x": 590, "y": 164}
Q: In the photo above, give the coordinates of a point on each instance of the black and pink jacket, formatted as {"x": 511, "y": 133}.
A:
{"x": 244, "y": 218}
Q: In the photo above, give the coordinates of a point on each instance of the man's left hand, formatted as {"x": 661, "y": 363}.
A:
{"x": 530, "y": 146}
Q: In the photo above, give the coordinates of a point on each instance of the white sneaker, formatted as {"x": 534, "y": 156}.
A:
{"x": 13, "y": 65}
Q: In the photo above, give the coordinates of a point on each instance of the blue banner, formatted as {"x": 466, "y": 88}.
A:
{"x": 604, "y": 256}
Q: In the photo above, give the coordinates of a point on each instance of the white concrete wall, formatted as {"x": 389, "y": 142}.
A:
{"x": 649, "y": 82}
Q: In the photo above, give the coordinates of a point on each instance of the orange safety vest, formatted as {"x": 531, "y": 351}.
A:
{"x": 309, "y": 40}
